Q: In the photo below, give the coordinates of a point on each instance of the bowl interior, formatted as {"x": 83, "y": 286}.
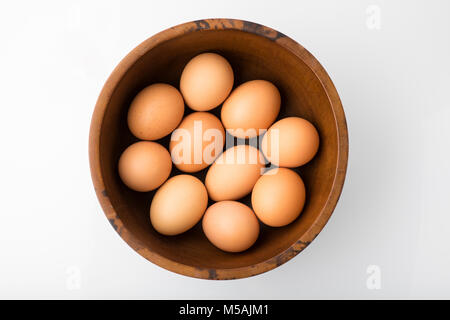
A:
{"x": 252, "y": 57}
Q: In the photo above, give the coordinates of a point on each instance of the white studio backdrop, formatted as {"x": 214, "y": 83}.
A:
{"x": 389, "y": 235}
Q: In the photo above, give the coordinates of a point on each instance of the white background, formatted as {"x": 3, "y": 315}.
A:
{"x": 394, "y": 211}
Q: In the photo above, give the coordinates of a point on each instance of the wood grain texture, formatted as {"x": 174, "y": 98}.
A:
{"x": 255, "y": 52}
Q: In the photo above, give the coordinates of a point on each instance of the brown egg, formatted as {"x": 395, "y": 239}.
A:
{"x": 144, "y": 166}
{"x": 278, "y": 197}
{"x": 197, "y": 142}
{"x": 155, "y": 112}
{"x": 230, "y": 226}
{"x": 251, "y": 108}
{"x": 206, "y": 81}
{"x": 290, "y": 142}
{"x": 178, "y": 205}
{"x": 234, "y": 173}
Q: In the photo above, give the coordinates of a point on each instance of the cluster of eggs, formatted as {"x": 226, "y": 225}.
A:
{"x": 197, "y": 141}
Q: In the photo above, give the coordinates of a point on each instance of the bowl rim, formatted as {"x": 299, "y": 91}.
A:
{"x": 218, "y": 24}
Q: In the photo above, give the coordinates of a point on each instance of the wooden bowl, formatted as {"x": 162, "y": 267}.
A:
{"x": 255, "y": 52}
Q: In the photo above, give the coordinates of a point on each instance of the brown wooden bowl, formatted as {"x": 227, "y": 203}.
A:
{"x": 255, "y": 52}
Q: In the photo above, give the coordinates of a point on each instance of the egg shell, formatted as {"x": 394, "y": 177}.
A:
{"x": 206, "y": 81}
{"x": 251, "y": 108}
{"x": 200, "y": 135}
{"x": 178, "y": 205}
{"x": 231, "y": 226}
{"x": 155, "y": 112}
{"x": 234, "y": 173}
{"x": 290, "y": 142}
{"x": 144, "y": 166}
{"x": 278, "y": 197}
